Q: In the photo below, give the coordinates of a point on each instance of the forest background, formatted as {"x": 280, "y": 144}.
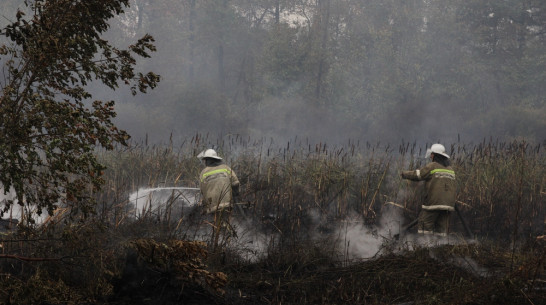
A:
{"x": 379, "y": 70}
{"x": 383, "y": 78}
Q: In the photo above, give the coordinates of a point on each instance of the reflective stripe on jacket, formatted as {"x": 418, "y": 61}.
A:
{"x": 216, "y": 183}
{"x": 440, "y": 185}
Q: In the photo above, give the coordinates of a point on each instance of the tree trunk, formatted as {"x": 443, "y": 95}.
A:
{"x": 140, "y": 8}
{"x": 192, "y": 39}
{"x": 277, "y": 12}
{"x": 221, "y": 72}
{"x": 324, "y": 11}
{"x": 220, "y": 55}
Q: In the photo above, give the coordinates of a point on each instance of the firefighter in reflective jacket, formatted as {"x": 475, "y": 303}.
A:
{"x": 440, "y": 191}
{"x": 217, "y": 181}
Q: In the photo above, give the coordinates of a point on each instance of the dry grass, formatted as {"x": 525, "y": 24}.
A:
{"x": 298, "y": 193}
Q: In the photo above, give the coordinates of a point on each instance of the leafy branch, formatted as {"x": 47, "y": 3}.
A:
{"x": 47, "y": 133}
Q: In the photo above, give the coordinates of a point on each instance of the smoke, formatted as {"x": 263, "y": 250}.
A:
{"x": 18, "y": 209}
{"x": 358, "y": 241}
{"x": 283, "y": 119}
{"x": 421, "y": 87}
{"x": 471, "y": 265}
{"x": 350, "y": 237}
{"x": 251, "y": 244}
{"x": 252, "y": 239}
{"x": 14, "y": 211}
{"x": 157, "y": 200}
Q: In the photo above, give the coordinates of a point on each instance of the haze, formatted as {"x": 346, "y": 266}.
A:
{"x": 333, "y": 70}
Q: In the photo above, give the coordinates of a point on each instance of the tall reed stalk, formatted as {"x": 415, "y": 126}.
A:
{"x": 304, "y": 186}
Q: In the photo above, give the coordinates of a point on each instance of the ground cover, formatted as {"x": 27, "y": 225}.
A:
{"x": 317, "y": 227}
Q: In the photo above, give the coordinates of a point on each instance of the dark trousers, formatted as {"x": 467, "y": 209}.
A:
{"x": 431, "y": 222}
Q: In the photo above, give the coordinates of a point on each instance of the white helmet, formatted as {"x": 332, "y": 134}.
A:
{"x": 209, "y": 153}
{"x": 437, "y": 149}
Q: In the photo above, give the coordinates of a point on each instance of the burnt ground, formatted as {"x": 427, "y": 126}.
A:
{"x": 460, "y": 274}
{"x": 90, "y": 269}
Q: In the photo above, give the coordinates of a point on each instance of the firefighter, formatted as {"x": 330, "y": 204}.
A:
{"x": 440, "y": 191}
{"x": 218, "y": 184}
{"x": 217, "y": 181}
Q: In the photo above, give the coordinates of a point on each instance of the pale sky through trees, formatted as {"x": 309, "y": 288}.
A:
{"x": 335, "y": 70}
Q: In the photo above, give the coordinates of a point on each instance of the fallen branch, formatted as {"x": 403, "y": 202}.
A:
{"x": 395, "y": 204}
{"x": 400, "y": 206}
{"x": 464, "y": 203}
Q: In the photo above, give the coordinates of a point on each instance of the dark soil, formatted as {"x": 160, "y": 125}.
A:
{"x": 470, "y": 274}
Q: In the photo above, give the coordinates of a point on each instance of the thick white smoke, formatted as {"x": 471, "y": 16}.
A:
{"x": 357, "y": 241}
{"x": 16, "y": 210}
{"x": 157, "y": 200}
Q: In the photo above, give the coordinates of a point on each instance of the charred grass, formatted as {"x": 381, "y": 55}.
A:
{"x": 288, "y": 247}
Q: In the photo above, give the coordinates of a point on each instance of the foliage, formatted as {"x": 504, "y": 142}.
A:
{"x": 300, "y": 195}
{"x": 151, "y": 270}
{"x": 375, "y": 70}
{"x": 47, "y": 133}
{"x": 372, "y": 69}
{"x": 184, "y": 259}
{"x": 308, "y": 187}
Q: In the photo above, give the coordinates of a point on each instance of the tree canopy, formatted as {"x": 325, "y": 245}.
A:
{"x": 329, "y": 70}
{"x": 48, "y": 134}
{"x": 378, "y": 70}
